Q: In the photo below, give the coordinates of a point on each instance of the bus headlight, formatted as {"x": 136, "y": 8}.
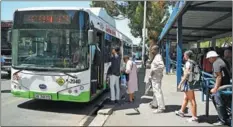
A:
{"x": 74, "y": 90}
{"x": 17, "y": 86}
{"x": 81, "y": 87}
{"x": 16, "y": 76}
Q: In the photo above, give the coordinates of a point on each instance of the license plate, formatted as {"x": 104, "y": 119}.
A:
{"x": 43, "y": 97}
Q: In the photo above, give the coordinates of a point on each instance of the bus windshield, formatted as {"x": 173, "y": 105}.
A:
{"x": 54, "y": 40}
{"x": 61, "y": 49}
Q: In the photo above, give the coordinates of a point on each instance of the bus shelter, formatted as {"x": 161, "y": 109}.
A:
{"x": 193, "y": 22}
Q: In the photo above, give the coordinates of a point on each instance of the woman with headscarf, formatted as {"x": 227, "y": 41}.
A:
{"x": 156, "y": 74}
{"x": 132, "y": 81}
{"x": 188, "y": 90}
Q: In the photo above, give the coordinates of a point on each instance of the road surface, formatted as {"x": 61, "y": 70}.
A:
{"x": 26, "y": 112}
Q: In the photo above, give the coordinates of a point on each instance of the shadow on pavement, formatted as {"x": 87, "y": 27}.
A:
{"x": 5, "y": 91}
{"x": 60, "y": 106}
{"x": 173, "y": 108}
{"x": 140, "y": 99}
{"x": 210, "y": 119}
{"x": 138, "y": 95}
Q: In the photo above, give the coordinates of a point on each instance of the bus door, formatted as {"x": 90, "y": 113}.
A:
{"x": 97, "y": 64}
{"x": 93, "y": 73}
{"x": 101, "y": 47}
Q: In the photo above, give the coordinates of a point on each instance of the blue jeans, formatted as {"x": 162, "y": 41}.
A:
{"x": 220, "y": 105}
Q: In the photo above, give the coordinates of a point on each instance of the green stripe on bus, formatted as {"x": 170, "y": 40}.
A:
{"x": 24, "y": 94}
{"x": 83, "y": 97}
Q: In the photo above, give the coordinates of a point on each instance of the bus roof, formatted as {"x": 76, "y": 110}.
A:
{"x": 98, "y": 16}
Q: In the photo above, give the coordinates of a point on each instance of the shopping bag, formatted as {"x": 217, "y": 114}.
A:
{"x": 148, "y": 87}
{"x": 123, "y": 81}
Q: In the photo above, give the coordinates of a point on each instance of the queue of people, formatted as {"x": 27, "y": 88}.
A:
{"x": 211, "y": 62}
{"x": 221, "y": 68}
{"x": 115, "y": 71}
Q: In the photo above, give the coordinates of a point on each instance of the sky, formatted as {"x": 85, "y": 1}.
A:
{"x": 8, "y": 8}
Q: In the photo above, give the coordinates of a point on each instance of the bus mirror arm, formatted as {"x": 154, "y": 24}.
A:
{"x": 90, "y": 36}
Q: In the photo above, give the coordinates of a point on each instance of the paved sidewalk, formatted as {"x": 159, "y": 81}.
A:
{"x": 140, "y": 114}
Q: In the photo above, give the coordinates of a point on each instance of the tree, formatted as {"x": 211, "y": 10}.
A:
{"x": 224, "y": 41}
{"x": 157, "y": 15}
{"x": 204, "y": 44}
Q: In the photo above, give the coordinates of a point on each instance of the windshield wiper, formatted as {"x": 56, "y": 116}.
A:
{"x": 22, "y": 69}
{"x": 70, "y": 75}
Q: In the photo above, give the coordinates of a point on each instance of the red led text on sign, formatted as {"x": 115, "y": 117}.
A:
{"x": 47, "y": 19}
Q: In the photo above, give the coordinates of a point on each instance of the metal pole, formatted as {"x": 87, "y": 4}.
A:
{"x": 144, "y": 33}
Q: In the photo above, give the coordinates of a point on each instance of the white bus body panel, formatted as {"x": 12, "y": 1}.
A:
{"x": 30, "y": 81}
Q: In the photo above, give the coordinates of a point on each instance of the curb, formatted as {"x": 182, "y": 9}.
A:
{"x": 89, "y": 117}
{"x": 99, "y": 120}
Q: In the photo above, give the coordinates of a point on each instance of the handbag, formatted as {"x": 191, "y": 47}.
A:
{"x": 148, "y": 87}
{"x": 127, "y": 75}
{"x": 123, "y": 81}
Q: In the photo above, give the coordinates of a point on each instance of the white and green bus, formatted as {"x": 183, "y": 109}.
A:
{"x": 63, "y": 54}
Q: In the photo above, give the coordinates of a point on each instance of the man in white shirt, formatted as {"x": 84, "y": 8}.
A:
{"x": 157, "y": 67}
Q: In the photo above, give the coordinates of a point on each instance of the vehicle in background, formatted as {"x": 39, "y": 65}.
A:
{"x": 6, "y": 46}
{"x": 137, "y": 53}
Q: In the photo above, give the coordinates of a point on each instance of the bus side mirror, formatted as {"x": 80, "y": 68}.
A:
{"x": 9, "y": 36}
{"x": 90, "y": 36}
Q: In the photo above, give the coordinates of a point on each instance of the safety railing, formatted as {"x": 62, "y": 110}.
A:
{"x": 208, "y": 83}
{"x": 173, "y": 64}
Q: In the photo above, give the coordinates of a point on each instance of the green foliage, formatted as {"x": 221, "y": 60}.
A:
{"x": 204, "y": 44}
{"x": 221, "y": 41}
{"x": 156, "y": 11}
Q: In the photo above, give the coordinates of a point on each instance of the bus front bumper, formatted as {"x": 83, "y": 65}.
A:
{"x": 82, "y": 97}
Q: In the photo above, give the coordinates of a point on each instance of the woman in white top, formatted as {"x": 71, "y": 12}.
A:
{"x": 189, "y": 94}
{"x": 132, "y": 83}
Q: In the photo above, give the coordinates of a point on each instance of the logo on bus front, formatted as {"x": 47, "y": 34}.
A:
{"x": 42, "y": 86}
{"x": 60, "y": 81}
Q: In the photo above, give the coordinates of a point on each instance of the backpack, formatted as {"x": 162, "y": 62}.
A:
{"x": 194, "y": 78}
{"x": 228, "y": 67}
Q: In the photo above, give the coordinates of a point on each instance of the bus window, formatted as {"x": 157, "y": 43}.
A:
{"x": 107, "y": 51}
{"x": 93, "y": 48}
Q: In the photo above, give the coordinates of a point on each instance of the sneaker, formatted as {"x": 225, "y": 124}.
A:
{"x": 193, "y": 119}
{"x": 153, "y": 107}
{"x": 179, "y": 113}
{"x": 123, "y": 97}
{"x": 117, "y": 101}
{"x": 219, "y": 123}
{"x": 158, "y": 111}
{"x": 128, "y": 101}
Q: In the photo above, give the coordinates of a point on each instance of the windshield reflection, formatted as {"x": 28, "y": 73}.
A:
{"x": 64, "y": 49}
